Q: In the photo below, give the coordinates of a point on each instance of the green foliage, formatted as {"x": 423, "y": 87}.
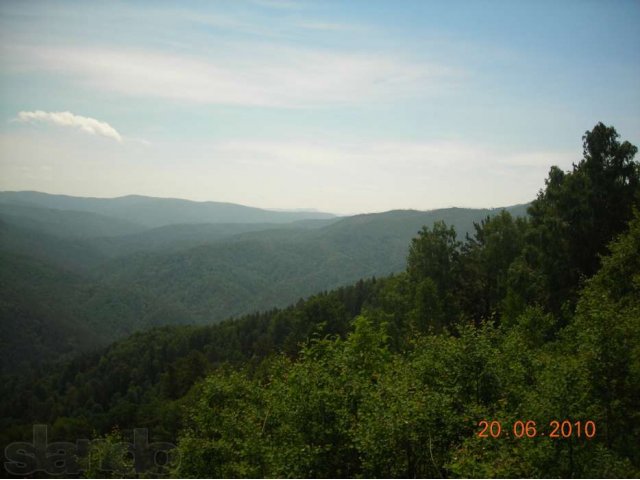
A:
{"x": 74, "y": 281}
{"x": 408, "y": 405}
{"x": 109, "y": 457}
{"x": 589, "y": 372}
{"x": 224, "y": 421}
{"x": 607, "y": 337}
{"x": 431, "y": 266}
{"x": 484, "y": 268}
{"x": 433, "y": 254}
{"x": 527, "y": 320}
{"x": 250, "y": 272}
{"x": 579, "y": 212}
{"x": 143, "y": 381}
{"x": 53, "y": 313}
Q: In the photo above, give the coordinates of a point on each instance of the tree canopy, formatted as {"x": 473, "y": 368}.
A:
{"x": 522, "y": 324}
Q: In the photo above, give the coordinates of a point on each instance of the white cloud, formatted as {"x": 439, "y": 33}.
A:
{"x": 68, "y": 119}
{"x": 248, "y": 75}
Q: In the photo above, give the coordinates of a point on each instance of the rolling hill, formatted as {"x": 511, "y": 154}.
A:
{"x": 273, "y": 268}
{"x": 156, "y": 212}
{"x": 76, "y": 279}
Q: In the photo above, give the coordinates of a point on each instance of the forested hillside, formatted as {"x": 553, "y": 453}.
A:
{"x": 528, "y": 324}
{"x": 275, "y": 267}
{"x": 74, "y": 280}
{"x": 48, "y": 312}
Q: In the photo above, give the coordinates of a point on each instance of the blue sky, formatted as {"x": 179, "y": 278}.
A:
{"x": 341, "y": 106}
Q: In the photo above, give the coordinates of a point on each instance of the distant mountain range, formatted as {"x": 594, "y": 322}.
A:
{"x": 76, "y": 273}
{"x": 156, "y": 212}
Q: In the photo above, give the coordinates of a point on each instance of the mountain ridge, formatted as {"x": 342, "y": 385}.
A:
{"x": 156, "y": 211}
{"x": 200, "y": 273}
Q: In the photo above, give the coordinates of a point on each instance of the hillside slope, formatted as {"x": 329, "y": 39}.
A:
{"x": 48, "y": 312}
{"x": 273, "y": 268}
{"x": 67, "y": 223}
{"x": 75, "y": 280}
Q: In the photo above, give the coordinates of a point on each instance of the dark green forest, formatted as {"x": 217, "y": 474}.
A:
{"x": 68, "y": 287}
{"x": 423, "y": 326}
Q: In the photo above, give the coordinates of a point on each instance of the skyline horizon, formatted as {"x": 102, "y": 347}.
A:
{"x": 282, "y": 103}
{"x": 272, "y": 209}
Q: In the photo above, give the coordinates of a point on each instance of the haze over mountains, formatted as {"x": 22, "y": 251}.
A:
{"x": 157, "y": 212}
{"x": 241, "y": 341}
{"x": 376, "y": 328}
{"x": 104, "y": 268}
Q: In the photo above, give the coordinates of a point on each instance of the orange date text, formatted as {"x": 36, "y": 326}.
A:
{"x": 529, "y": 429}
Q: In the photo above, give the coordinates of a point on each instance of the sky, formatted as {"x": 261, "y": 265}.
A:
{"x": 346, "y": 107}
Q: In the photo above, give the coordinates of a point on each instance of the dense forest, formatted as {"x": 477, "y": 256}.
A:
{"x": 76, "y": 280}
{"x": 507, "y": 349}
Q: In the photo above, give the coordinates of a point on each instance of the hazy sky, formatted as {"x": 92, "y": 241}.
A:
{"x": 350, "y": 106}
